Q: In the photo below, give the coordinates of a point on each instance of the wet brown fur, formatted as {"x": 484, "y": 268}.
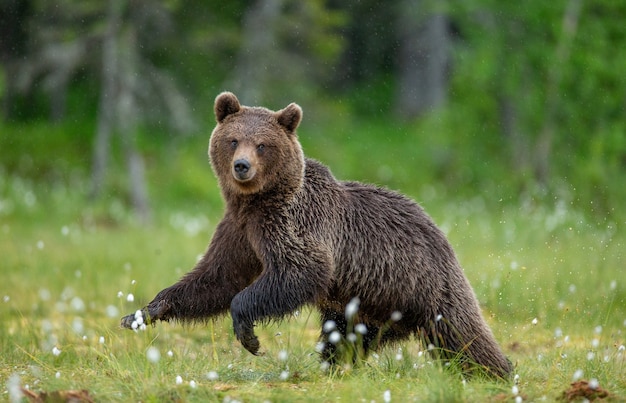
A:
{"x": 294, "y": 235}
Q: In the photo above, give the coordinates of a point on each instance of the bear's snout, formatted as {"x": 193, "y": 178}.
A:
{"x": 242, "y": 170}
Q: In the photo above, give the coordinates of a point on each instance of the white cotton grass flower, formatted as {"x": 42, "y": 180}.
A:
{"x": 120, "y": 294}
{"x": 192, "y": 384}
{"x": 360, "y": 328}
{"x": 319, "y": 347}
{"x": 594, "y": 384}
{"x": 595, "y": 343}
{"x": 438, "y": 318}
{"x": 153, "y": 354}
{"x": 334, "y": 337}
{"x": 139, "y": 317}
{"x": 329, "y": 326}
{"x": 353, "y": 307}
{"x": 101, "y": 340}
{"x": 515, "y": 390}
{"x": 14, "y": 389}
{"x": 518, "y": 399}
{"x": 351, "y": 337}
{"x": 597, "y": 329}
{"x": 283, "y": 355}
{"x": 212, "y": 376}
{"x": 77, "y": 304}
{"x": 387, "y": 396}
{"x": 170, "y": 353}
{"x": 56, "y": 351}
{"x": 399, "y": 355}
{"x": 57, "y": 375}
{"x": 284, "y": 375}
{"x": 578, "y": 374}
{"x": 111, "y": 311}
{"x": 396, "y": 316}
{"x": 179, "y": 380}
{"x": 535, "y": 321}
{"x": 130, "y": 297}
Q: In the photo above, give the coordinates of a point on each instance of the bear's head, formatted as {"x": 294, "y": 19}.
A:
{"x": 255, "y": 150}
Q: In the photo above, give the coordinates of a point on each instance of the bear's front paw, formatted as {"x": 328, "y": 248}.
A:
{"x": 146, "y": 316}
{"x": 135, "y": 321}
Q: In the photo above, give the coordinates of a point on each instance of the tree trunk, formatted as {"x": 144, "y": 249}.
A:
{"x": 127, "y": 112}
{"x": 543, "y": 147}
{"x": 108, "y": 95}
{"x": 253, "y": 71}
{"x": 424, "y": 58}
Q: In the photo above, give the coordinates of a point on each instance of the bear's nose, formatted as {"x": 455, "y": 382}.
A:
{"x": 242, "y": 166}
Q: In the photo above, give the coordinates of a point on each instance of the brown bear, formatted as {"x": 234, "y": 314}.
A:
{"x": 370, "y": 260}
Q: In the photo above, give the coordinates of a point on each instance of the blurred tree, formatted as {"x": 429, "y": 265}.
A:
{"x": 13, "y": 40}
{"x": 543, "y": 75}
{"x": 287, "y": 48}
{"x": 63, "y": 39}
{"x": 423, "y": 57}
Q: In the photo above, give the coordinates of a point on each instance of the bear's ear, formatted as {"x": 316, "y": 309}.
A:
{"x": 290, "y": 117}
{"x": 226, "y": 104}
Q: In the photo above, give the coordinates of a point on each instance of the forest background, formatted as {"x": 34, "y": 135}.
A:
{"x": 506, "y": 120}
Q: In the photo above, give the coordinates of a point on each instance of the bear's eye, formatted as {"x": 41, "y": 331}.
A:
{"x": 260, "y": 147}
{"x": 234, "y": 144}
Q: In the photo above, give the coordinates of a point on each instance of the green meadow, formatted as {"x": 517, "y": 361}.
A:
{"x": 549, "y": 274}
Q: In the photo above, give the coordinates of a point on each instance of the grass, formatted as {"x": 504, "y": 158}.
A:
{"x": 549, "y": 278}
{"x": 64, "y": 266}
